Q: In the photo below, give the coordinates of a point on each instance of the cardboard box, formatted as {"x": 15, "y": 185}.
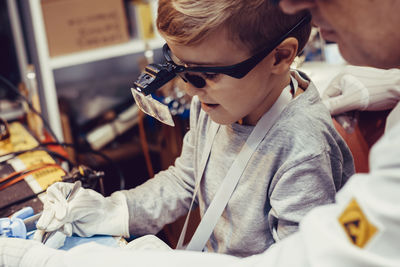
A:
{"x": 76, "y": 25}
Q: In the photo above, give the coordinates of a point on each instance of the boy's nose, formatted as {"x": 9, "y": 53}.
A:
{"x": 193, "y": 90}
{"x": 294, "y": 6}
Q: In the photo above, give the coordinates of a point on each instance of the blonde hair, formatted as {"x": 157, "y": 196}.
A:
{"x": 254, "y": 23}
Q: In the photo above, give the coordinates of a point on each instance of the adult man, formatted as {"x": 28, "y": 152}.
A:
{"x": 357, "y": 28}
{"x": 361, "y": 229}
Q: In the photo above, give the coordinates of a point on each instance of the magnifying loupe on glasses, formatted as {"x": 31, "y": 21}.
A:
{"x": 153, "y": 78}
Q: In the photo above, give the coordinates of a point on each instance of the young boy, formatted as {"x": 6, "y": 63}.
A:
{"x": 297, "y": 162}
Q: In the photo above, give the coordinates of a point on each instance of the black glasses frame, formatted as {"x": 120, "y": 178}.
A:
{"x": 238, "y": 70}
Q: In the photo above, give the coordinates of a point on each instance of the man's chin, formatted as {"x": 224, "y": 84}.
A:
{"x": 351, "y": 56}
{"x": 329, "y": 35}
{"x": 360, "y": 57}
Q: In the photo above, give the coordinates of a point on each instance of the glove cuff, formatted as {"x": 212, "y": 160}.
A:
{"x": 123, "y": 215}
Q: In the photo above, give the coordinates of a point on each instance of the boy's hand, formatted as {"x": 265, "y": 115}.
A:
{"x": 362, "y": 88}
{"x": 87, "y": 213}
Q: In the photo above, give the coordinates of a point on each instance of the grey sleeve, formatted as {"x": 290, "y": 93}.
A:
{"x": 297, "y": 190}
{"x": 166, "y": 197}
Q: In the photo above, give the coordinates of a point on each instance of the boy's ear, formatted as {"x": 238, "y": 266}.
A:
{"x": 284, "y": 55}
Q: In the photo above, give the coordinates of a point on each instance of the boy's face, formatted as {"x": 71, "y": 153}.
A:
{"x": 227, "y": 99}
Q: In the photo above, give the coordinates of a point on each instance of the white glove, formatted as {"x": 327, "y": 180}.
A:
{"x": 86, "y": 213}
{"x": 362, "y": 88}
{"x": 147, "y": 242}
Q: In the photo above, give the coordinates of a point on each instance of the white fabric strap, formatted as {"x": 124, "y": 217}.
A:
{"x": 294, "y": 83}
{"x": 212, "y": 132}
{"x": 220, "y": 200}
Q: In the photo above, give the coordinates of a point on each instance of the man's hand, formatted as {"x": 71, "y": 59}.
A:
{"x": 362, "y": 88}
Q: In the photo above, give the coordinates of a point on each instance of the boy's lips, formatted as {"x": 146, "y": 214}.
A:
{"x": 208, "y": 106}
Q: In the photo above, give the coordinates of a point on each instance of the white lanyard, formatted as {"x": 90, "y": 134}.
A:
{"x": 212, "y": 132}
{"x": 221, "y": 198}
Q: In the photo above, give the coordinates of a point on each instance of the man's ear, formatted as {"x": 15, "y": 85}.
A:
{"x": 284, "y": 54}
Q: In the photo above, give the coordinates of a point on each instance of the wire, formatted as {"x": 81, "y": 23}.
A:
{"x": 42, "y": 147}
{"x": 12, "y": 175}
{"x": 57, "y": 142}
{"x": 38, "y": 148}
{"x": 22, "y": 200}
{"x": 104, "y": 156}
{"x": 23, "y": 174}
{"x": 65, "y": 179}
{"x": 15, "y": 89}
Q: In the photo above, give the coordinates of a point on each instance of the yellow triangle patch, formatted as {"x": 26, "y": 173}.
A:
{"x": 356, "y": 225}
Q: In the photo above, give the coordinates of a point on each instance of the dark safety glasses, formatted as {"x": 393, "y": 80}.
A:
{"x": 237, "y": 71}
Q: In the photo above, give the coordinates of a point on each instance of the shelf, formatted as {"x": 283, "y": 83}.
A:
{"x": 46, "y": 66}
{"x": 131, "y": 47}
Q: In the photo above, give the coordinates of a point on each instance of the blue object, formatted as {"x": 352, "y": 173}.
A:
{"x": 23, "y": 213}
{"x": 14, "y": 226}
{"x": 73, "y": 241}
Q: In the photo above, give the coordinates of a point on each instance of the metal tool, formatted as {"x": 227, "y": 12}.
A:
{"x": 30, "y": 222}
{"x": 74, "y": 189}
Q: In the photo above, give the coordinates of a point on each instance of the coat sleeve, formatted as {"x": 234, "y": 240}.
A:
{"x": 361, "y": 229}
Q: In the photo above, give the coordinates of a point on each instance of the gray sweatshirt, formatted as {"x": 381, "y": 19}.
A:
{"x": 300, "y": 164}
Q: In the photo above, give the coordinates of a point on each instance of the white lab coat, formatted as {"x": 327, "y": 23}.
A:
{"x": 361, "y": 229}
